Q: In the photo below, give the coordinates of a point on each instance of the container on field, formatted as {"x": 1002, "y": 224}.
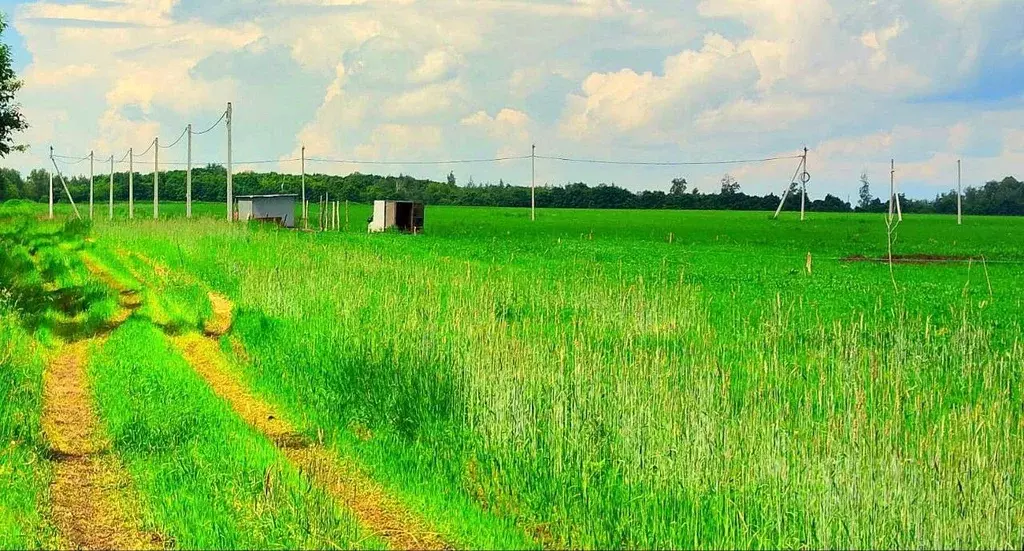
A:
{"x": 406, "y": 216}
{"x": 276, "y": 208}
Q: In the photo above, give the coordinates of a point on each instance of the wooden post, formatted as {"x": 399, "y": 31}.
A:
{"x": 230, "y": 185}
{"x": 346, "y": 215}
{"x": 156, "y": 178}
{"x": 304, "y": 213}
{"x": 111, "y": 195}
{"x": 959, "y": 196}
{"x": 51, "y": 187}
{"x": 188, "y": 175}
{"x": 91, "y": 176}
{"x": 131, "y": 183}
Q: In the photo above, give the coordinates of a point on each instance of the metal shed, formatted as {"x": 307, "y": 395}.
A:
{"x": 406, "y": 216}
{"x": 278, "y": 208}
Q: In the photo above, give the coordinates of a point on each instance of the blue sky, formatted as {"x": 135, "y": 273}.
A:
{"x": 858, "y": 82}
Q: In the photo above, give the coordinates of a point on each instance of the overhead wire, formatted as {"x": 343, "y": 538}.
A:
{"x": 183, "y": 132}
{"x": 222, "y": 116}
{"x": 447, "y": 162}
{"x": 70, "y": 161}
{"x": 151, "y": 144}
{"x": 666, "y": 163}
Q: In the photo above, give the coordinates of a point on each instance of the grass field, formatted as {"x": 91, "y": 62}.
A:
{"x": 594, "y": 379}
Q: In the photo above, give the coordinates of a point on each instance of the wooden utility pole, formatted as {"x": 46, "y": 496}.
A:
{"x": 156, "y": 178}
{"x": 92, "y": 160}
{"x": 230, "y": 186}
{"x": 110, "y": 193}
{"x": 533, "y": 182}
{"x": 188, "y": 175}
{"x": 959, "y": 196}
{"x": 131, "y": 184}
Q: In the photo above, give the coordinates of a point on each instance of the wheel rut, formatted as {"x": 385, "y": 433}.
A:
{"x": 89, "y": 494}
{"x": 368, "y": 501}
{"x": 371, "y": 505}
{"x": 88, "y": 489}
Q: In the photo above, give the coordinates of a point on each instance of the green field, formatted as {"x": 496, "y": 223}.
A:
{"x": 593, "y": 379}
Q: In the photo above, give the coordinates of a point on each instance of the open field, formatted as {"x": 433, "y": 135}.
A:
{"x": 593, "y": 379}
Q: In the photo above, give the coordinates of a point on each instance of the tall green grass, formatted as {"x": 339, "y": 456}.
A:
{"x": 206, "y": 478}
{"x": 24, "y": 475}
{"x": 599, "y": 387}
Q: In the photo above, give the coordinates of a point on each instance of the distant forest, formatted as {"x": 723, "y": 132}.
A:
{"x": 1004, "y": 197}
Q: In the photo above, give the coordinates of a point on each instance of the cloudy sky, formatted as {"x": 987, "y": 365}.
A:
{"x": 856, "y": 81}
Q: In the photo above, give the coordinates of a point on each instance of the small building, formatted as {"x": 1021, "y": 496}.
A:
{"x": 277, "y": 208}
{"x": 406, "y": 216}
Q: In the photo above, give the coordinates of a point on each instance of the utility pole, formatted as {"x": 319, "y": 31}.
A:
{"x": 533, "y": 182}
{"x": 91, "y": 186}
{"x": 131, "y": 184}
{"x": 305, "y": 215}
{"x": 156, "y": 178}
{"x": 892, "y": 188}
{"x": 230, "y": 194}
{"x": 51, "y": 183}
{"x": 803, "y": 182}
{"x": 894, "y": 196}
{"x": 959, "y": 196}
{"x": 110, "y": 195}
{"x": 188, "y": 175}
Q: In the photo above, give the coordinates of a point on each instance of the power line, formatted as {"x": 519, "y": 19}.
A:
{"x": 667, "y": 163}
{"x": 177, "y": 140}
{"x": 222, "y": 116}
{"x": 151, "y": 144}
{"x": 70, "y": 161}
{"x": 448, "y": 162}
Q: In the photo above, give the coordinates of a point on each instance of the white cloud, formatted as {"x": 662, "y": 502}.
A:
{"x": 627, "y": 101}
{"x": 64, "y": 75}
{"x": 652, "y": 80}
{"x": 420, "y": 102}
{"x": 437, "y": 64}
{"x": 395, "y": 140}
{"x": 507, "y": 125}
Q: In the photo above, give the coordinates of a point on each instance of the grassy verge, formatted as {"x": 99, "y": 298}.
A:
{"x": 208, "y": 480}
{"x": 24, "y": 474}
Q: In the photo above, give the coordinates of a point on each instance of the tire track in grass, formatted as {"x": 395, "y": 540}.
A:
{"x": 220, "y": 323}
{"x": 368, "y": 501}
{"x": 370, "y": 504}
{"x": 88, "y": 488}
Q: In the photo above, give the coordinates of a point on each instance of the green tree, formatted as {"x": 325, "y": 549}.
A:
{"x": 864, "y": 192}
{"x": 451, "y": 178}
{"x": 38, "y": 184}
{"x": 729, "y": 185}
{"x": 11, "y": 119}
{"x": 678, "y": 186}
{"x": 11, "y": 185}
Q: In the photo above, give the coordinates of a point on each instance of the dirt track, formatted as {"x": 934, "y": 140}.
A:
{"x": 88, "y": 489}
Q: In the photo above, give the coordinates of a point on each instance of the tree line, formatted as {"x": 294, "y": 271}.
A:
{"x": 1005, "y": 197}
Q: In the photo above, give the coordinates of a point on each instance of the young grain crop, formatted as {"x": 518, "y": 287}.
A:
{"x": 622, "y": 391}
{"x": 207, "y": 479}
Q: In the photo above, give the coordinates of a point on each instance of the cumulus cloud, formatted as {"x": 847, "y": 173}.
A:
{"x": 394, "y": 140}
{"x": 857, "y": 82}
{"x": 507, "y": 125}
{"x": 627, "y": 101}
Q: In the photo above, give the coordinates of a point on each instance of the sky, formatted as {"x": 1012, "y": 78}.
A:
{"x": 857, "y": 82}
